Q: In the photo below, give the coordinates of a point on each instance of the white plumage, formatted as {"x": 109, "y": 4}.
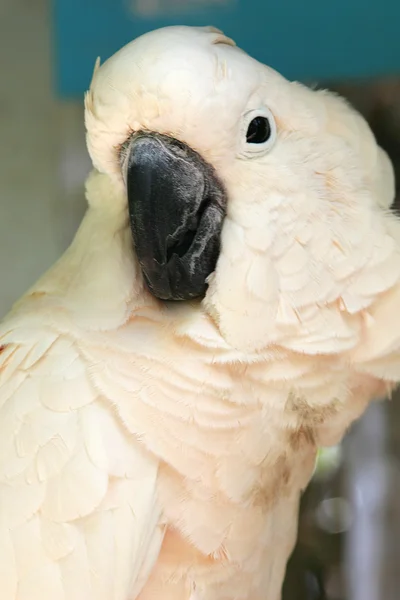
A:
{"x": 156, "y": 450}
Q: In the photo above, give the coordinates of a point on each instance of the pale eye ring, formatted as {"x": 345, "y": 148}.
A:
{"x": 258, "y": 132}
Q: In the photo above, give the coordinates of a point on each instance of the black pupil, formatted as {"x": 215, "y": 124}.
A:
{"x": 259, "y": 131}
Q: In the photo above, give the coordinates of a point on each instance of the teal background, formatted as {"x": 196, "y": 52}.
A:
{"x": 303, "y": 39}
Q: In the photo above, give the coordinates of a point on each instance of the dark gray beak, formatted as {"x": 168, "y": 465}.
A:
{"x": 176, "y": 208}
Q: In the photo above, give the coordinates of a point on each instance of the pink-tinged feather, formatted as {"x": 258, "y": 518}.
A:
{"x": 150, "y": 450}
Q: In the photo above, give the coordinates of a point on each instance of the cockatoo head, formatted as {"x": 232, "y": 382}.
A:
{"x": 261, "y": 197}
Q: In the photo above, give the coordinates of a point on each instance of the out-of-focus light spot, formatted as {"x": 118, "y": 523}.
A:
{"x": 155, "y": 8}
{"x": 334, "y": 515}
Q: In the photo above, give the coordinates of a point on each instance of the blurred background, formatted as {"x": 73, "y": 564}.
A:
{"x": 349, "y": 530}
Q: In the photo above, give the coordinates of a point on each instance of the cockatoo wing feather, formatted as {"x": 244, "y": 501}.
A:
{"x": 78, "y": 515}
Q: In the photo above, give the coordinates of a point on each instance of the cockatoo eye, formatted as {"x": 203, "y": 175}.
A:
{"x": 258, "y": 133}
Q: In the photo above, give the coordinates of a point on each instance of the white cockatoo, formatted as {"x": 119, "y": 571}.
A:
{"x": 229, "y": 304}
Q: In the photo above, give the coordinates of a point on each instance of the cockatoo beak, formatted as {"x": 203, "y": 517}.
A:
{"x": 176, "y": 207}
